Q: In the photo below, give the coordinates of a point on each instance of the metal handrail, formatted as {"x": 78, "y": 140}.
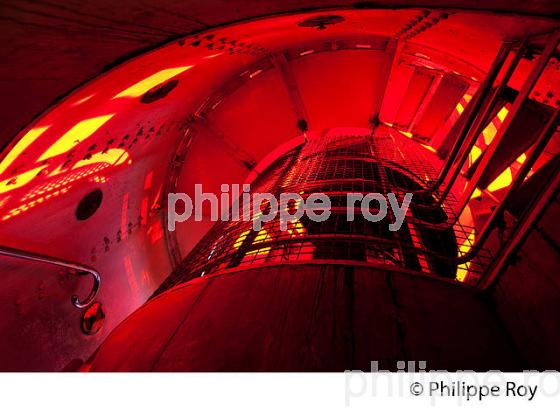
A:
{"x": 81, "y": 270}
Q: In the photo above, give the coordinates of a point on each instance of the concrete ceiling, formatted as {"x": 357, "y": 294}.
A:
{"x": 49, "y": 47}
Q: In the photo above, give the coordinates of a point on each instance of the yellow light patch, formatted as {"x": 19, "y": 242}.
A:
{"x": 114, "y": 156}
{"x": 25, "y": 141}
{"x": 59, "y": 170}
{"x": 463, "y": 269}
{"x": 522, "y": 158}
{"x": 477, "y": 193}
{"x": 150, "y": 82}
{"x": 241, "y": 238}
{"x": 428, "y": 147}
{"x": 489, "y": 133}
{"x": 460, "y": 108}
{"x": 475, "y": 153}
{"x": 502, "y": 114}
{"x": 78, "y": 133}
{"x": 503, "y": 180}
{"x": 261, "y": 236}
{"x": 297, "y": 228}
{"x": 20, "y": 180}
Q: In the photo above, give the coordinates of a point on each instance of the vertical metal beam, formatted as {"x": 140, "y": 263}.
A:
{"x": 170, "y": 185}
{"x": 292, "y": 87}
{"x": 245, "y": 158}
{"x": 436, "y": 82}
{"x": 472, "y": 112}
{"x": 386, "y": 71}
{"x": 524, "y": 92}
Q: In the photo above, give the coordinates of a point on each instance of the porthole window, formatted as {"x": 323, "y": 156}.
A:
{"x": 89, "y": 205}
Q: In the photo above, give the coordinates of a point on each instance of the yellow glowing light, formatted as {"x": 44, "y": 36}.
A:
{"x": 503, "y": 180}
{"x": 463, "y": 269}
{"x": 522, "y": 158}
{"x": 21, "y": 145}
{"x": 83, "y": 100}
{"x": 146, "y": 84}
{"x": 19, "y": 180}
{"x": 489, "y": 133}
{"x": 213, "y": 56}
{"x": 406, "y": 134}
{"x": 114, "y": 156}
{"x": 503, "y": 113}
{"x": 475, "y": 153}
{"x": 78, "y": 133}
{"x": 241, "y": 238}
{"x": 260, "y": 252}
{"x": 428, "y": 147}
{"x": 297, "y": 228}
{"x": 460, "y": 108}
{"x": 261, "y": 237}
{"x": 477, "y": 193}
{"x": 59, "y": 170}
{"x": 4, "y": 200}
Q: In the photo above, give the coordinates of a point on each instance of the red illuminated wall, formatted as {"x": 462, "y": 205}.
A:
{"x": 231, "y": 97}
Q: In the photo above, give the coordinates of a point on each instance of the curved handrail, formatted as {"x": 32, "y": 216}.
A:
{"x": 81, "y": 270}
